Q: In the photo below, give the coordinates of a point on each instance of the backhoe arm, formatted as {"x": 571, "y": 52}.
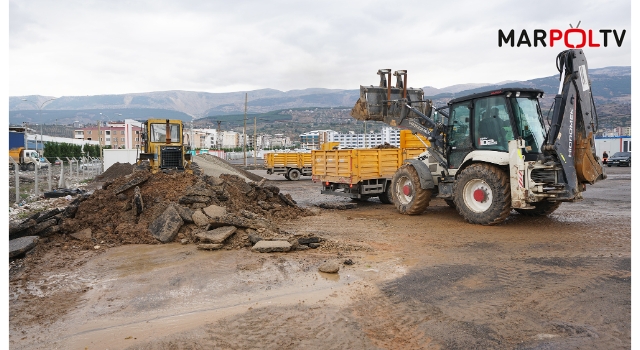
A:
{"x": 571, "y": 133}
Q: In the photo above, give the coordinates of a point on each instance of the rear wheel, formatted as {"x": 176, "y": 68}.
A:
{"x": 286, "y": 176}
{"x": 541, "y": 208}
{"x": 482, "y": 194}
{"x": 408, "y": 196}
{"x": 31, "y": 167}
{"x": 294, "y": 174}
{"x": 387, "y": 196}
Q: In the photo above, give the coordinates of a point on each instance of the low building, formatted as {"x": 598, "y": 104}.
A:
{"x": 313, "y": 139}
{"x": 122, "y": 134}
{"x": 613, "y": 144}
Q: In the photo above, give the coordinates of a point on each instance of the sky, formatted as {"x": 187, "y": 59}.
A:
{"x": 77, "y": 48}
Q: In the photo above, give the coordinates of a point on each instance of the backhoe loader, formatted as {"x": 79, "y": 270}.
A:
{"x": 491, "y": 152}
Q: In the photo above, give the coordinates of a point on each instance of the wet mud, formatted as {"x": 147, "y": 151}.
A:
{"x": 430, "y": 281}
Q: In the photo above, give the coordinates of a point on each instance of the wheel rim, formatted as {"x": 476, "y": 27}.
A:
{"x": 404, "y": 190}
{"x": 477, "y": 195}
{"x": 294, "y": 174}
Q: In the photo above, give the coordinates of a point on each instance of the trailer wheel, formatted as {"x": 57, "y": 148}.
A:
{"x": 408, "y": 196}
{"x": 387, "y": 196}
{"x": 542, "y": 209}
{"x": 482, "y": 194}
{"x": 31, "y": 167}
{"x": 294, "y": 174}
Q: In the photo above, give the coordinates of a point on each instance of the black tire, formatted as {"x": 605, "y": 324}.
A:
{"x": 450, "y": 203}
{"x": 31, "y": 167}
{"x": 387, "y": 196}
{"x": 482, "y": 194}
{"x": 408, "y": 197}
{"x": 286, "y": 176}
{"x": 541, "y": 209}
{"x": 294, "y": 174}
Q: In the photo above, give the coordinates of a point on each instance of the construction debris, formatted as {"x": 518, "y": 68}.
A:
{"x": 143, "y": 208}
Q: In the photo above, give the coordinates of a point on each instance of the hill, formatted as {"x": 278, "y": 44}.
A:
{"x": 611, "y": 88}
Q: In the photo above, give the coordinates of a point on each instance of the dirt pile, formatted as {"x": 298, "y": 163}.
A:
{"x": 115, "y": 215}
{"x": 115, "y": 171}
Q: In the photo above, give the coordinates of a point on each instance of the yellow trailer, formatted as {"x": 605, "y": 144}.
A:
{"x": 363, "y": 173}
{"x": 291, "y": 165}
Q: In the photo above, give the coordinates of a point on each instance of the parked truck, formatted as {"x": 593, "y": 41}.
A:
{"x": 290, "y": 164}
{"x": 26, "y": 159}
{"x": 364, "y": 172}
{"x": 494, "y": 152}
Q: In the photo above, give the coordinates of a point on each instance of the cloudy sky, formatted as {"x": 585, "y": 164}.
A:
{"x": 73, "y": 47}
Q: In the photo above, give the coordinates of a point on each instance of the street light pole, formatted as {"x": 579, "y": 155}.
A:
{"x": 244, "y": 143}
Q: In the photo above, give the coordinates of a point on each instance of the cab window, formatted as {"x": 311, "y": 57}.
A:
{"x": 492, "y": 129}
{"x": 159, "y": 132}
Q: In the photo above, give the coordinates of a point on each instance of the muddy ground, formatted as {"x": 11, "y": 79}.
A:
{"x": 416, "y": 282}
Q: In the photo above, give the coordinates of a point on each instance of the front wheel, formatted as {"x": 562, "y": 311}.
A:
{"x": 408, "y": 196}
{"x": 294, "y": 174}
{"x": 31, "y": 167}
{"x": 482, "y": 194}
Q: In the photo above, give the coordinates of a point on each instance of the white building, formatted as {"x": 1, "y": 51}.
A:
{"x": 388, "y": 135}
{"x": 613, "y": 144}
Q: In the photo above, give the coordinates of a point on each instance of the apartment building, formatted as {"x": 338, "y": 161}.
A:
{"x": 122, "y": 134}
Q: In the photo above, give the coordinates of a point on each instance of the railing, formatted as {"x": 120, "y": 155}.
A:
{"x": 79, "y": 169}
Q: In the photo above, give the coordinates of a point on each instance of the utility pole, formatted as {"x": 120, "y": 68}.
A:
{"x": 244, "y": 138}
{"x": 255, "y": 140}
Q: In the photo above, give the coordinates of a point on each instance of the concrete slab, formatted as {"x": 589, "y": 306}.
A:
{"x": 271, "y": 246}
{"x": 217, "y": 235}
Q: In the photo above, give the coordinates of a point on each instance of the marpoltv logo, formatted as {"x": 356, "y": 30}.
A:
{"x": 573, "y": 38}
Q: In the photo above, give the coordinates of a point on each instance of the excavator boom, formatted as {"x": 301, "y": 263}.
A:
{"x": 573, "y": 122}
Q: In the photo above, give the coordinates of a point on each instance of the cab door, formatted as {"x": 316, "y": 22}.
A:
{"x": 458, "y": 136}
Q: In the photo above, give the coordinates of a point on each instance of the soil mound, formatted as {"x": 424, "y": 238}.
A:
{"x": 115, "y": 171}
{"x": 110, "y": 212}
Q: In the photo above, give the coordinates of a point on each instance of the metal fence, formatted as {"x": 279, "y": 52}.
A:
{"x": 31, "y": 185}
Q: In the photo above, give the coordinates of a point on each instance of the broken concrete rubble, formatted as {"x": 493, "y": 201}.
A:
{"x": 137, "y": 180}
{"x": 107, "y": 213}
{"x": 165, "y": 227}
{"x": 199, "y": 218}
{"x": 217, "y": 235}
{"x": 271, "y": 246}
{"x": 21, "y": 245}
{"x": 214, "y": 211}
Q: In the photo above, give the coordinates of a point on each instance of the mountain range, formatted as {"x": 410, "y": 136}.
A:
{"x": 611, "y": 85}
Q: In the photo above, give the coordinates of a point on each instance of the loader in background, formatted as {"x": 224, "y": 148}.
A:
{"x": 163, "y": 147}
{"x": 493, "y": 151}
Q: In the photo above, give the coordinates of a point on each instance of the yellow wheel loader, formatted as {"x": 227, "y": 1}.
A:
{"x": 163, "y": 146}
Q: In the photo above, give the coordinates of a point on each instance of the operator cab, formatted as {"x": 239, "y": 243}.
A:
{"x": 487, "y": 121}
